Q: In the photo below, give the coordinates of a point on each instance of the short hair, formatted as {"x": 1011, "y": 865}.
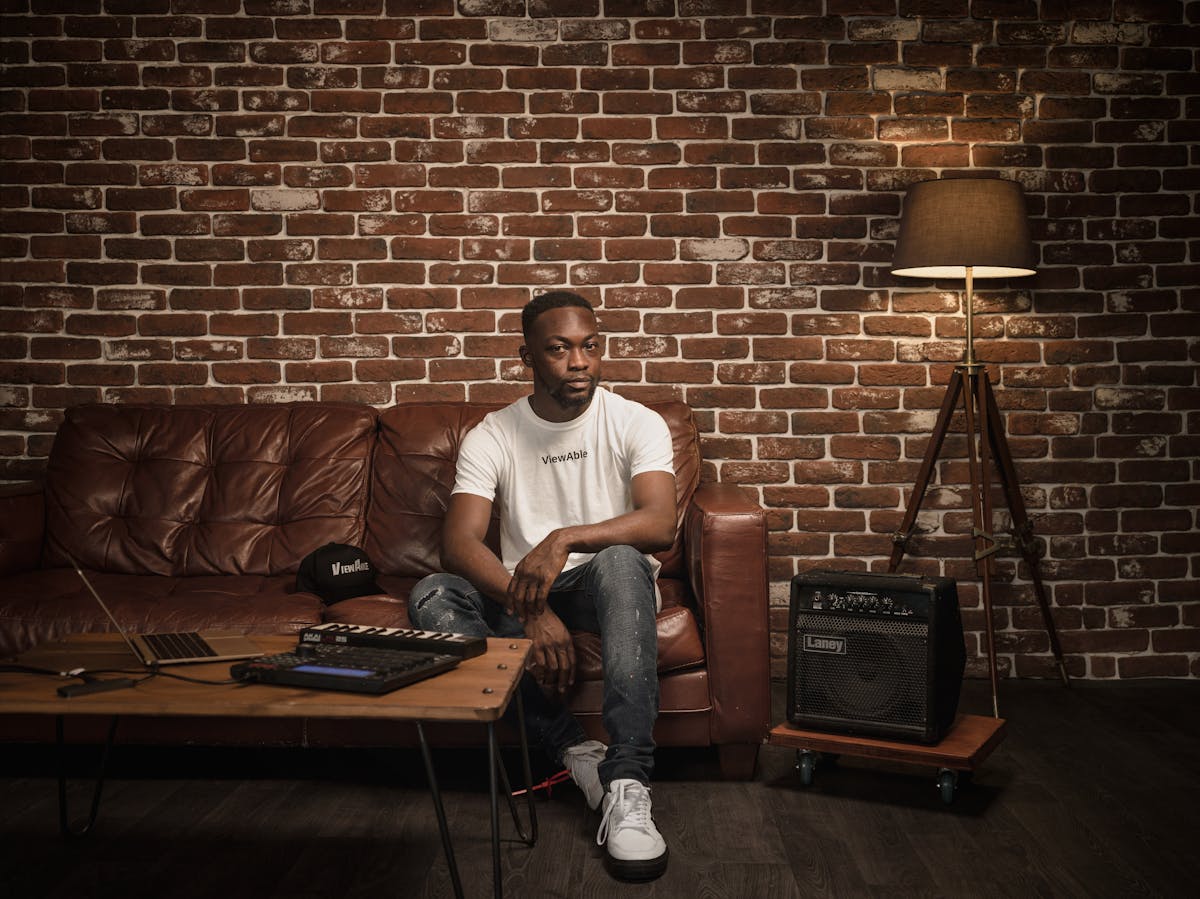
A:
{"x": 554, "y": 299}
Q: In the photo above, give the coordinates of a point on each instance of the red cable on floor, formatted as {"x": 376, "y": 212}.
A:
{"x": 547, "y": 784}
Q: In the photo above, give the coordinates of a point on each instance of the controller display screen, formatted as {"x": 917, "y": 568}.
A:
{"x": 329, "y": 669}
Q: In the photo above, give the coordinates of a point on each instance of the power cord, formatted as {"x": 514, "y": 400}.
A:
{"x": 195, "y": 680}
{"x": 92, "y": 683}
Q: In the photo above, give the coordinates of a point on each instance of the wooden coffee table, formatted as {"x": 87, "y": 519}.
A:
{"x": 478, "y": 690}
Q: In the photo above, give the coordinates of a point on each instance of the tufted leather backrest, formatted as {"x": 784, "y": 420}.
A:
{"x": 411, "y": 480}
{"x": 413, "y": 474}
{"x": 196, "y": 490}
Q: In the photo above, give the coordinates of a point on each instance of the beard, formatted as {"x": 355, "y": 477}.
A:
{"x": 569, "y": 398}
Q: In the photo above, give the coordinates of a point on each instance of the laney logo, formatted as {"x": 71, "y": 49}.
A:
{"x": 566, "y": 457}
{"x": 832, "y": 645}
{"x": 356, "y": 565}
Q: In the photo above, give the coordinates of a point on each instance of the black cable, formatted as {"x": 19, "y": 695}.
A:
{"x": 156, "y": 670}
{"x": 33, "y": 669}
{"x": 194, "y": 680}
{"x": 90, "y": 674}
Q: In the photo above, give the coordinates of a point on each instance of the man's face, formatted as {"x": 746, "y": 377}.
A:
{"x": 564, "y": 352}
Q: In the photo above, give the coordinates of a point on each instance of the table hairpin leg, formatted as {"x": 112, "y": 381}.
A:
{"x": 531, "y": 838}
{"x": 493, "y": 764}
{"x": 440, "y": 810}
{"x": 496, "y": 775}
{"x": 64, "y": 821}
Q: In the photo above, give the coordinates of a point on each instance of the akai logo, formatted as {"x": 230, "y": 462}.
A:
{"x": 832, "y": 645}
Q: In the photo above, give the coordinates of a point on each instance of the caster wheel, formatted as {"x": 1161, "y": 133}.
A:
{"x": 947, "y": 784}
{"x": 806, "y": 764}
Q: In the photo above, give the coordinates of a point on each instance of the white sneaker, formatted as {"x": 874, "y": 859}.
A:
{"x": 583, "y": 761}
{"x": 636, "y": 850}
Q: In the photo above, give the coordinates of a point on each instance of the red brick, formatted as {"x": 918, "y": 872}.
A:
{"x": 462, "y": 370}
{"x": 356, "y": 347}
{"x": 319, "y": 274}
{"x": 460, "y": 274}
{"x": 319, "y": 372}
{"x": 169, "y": 373}
{"x": 280, "y": 348}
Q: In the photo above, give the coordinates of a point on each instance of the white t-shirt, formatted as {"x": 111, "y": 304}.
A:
{"x": 545, "y": 475}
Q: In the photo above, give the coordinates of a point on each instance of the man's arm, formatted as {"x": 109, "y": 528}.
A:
{"x": 464, "y": 553}
{"x": 649, "y": 527}
{"x": 463, "y": 549}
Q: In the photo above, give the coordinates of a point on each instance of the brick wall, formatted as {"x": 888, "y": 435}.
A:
{"x": 276, "y": 200}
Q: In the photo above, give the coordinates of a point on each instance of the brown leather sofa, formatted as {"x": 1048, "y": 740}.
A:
{"x": 198, "y": 517}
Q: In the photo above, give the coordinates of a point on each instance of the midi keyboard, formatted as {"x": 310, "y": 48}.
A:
{"x": 354, "y": 669}
{"x": 394, "y": 638}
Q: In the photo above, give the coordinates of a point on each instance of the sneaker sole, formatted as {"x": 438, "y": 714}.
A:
{"x": 638, "y": 870}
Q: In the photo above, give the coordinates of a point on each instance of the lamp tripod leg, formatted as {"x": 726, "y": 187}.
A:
{"x": 1022, "y": 529}
{"x": 901, "y": 537}
{"x": 981, "y": 514}
{"x": 979, "y": 402}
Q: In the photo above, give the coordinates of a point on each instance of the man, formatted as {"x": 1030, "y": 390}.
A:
{"x": 584, "y": 483}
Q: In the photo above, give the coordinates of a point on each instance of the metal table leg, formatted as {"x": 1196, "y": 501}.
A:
{"x": 498, "y": 772}
{"x": 531, "y": 838}
{"x": 497, "y": 779}
{"x": 493, "y": 764}
{"x": 64, "y": 821}
{"x": 443, "y": 828}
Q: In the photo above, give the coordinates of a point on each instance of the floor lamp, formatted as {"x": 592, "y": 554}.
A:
{"x": 968, "y": 228}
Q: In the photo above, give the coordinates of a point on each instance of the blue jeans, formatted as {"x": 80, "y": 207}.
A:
{"x": 611, "y": 595}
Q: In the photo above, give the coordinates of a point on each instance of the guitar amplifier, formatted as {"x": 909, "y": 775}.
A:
{"x": 874, "y": 654}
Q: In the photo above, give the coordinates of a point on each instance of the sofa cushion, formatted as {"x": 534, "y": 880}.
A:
{"x": 198, "y": 490}
{"x": 48, "y": 604}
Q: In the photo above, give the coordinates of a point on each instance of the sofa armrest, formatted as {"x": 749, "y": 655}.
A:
{"x": 22, "y": 523}
{"x": 726, "y": 551}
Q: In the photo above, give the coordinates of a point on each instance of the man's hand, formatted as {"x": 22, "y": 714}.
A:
{"x": 534, "y": 576}
{"x": 552, "y": 662}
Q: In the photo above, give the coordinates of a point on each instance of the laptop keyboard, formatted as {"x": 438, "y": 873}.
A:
{"x": 178, "y": 646}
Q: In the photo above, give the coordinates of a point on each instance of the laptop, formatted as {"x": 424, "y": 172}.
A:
{"x": 175, "y": 649}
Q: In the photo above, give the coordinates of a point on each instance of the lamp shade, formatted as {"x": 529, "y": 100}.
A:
{"x": 954, "y": 223}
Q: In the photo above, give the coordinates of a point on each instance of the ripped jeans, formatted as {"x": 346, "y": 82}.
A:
{"x": 611, "y": 595}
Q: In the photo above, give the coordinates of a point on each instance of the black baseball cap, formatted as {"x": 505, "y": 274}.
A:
{"x": 335, "y": 572}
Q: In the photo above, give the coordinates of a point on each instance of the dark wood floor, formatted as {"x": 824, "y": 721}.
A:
{"x": 1095, "y": 793}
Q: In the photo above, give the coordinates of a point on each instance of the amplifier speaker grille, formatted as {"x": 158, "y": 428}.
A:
{"x": 876, "y": 680}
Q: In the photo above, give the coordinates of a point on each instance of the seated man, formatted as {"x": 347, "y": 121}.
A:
{"x": 584, "y": 482}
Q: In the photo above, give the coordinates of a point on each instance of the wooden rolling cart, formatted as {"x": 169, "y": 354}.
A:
{"x": 965, "y": 746}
